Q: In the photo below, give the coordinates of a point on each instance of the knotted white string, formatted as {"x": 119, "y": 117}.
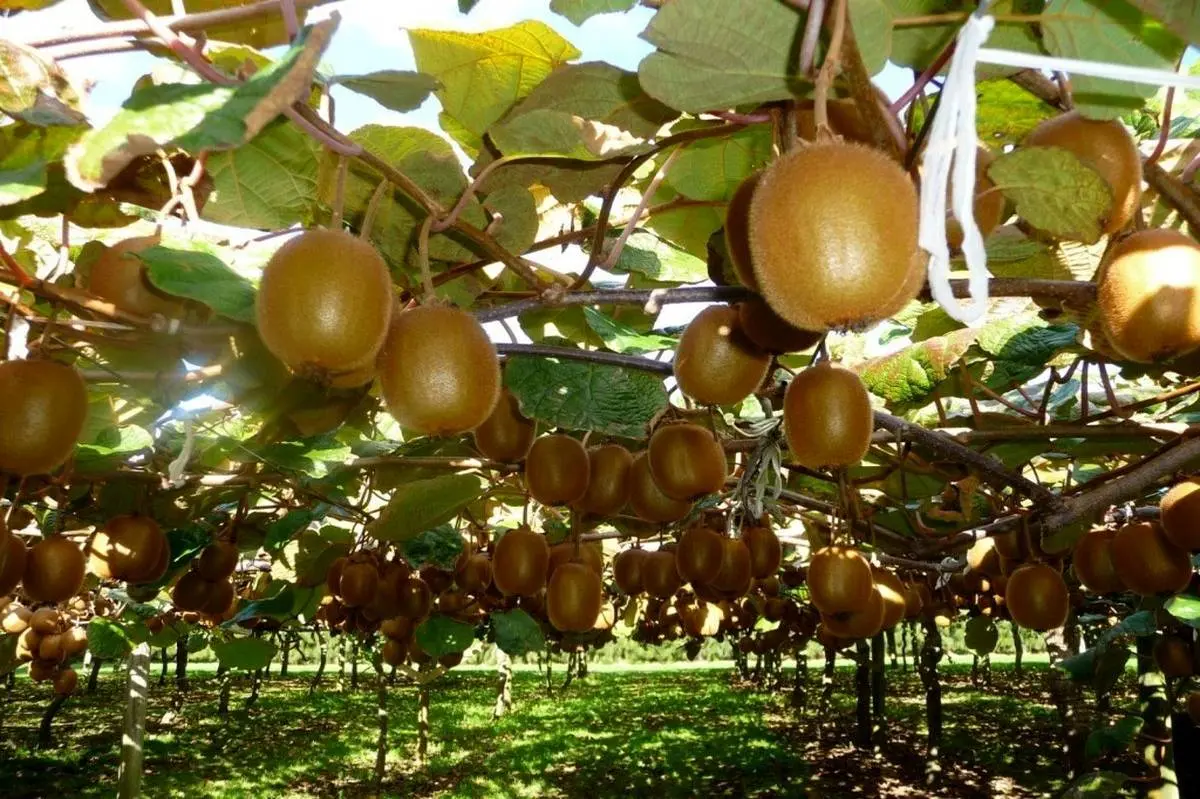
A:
{"x": 952, "y": 141}
{"x": 18, "y": 337}
{"x": 175, "y": 468}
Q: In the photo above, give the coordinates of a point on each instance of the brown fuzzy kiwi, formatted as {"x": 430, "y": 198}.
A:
{"x": 220, "y": 596}
{"x": 827, "y": 417}
{"x": 394, "y": 652}
{"x": 438, "y": 371}
{"x": 398, "y": 628}
{"x": 520, "y": 562}
{"x": 557, "y": 470}
{"x": 660, "y": 578}
{"x": 359, "y": 583}
{"x": 15, "y": 619}
{"x": 43, "y": 405}
{"x": 737, "y": 231}
{"x": 687, "y": 461}
{"x": 984, "y": 558}
{"x": 608, "y": 480}
{"x": 862, "y": 623}
{"x": 119, "y": 276}
{"x": 914, "y": 601}
{"x": 766, "y": 552}
{"x": 1174, "y": 657}
{"x": 217, "y": 561}
{"x": 833, "y": 236}
{"x": 65, "y": 682}
{"x": 1106, "y": 147}
{"x": 475, "y": 574}
{"x": 126, "y": 548}
{"x": 415, "y": 598}
{"x": 324, "y": 303}
{"x": 989, "y": 203}
{"x": 1092, "y": 560}
{"x": 191, "y": 592}
{"x": 573, "y": 598}
{"x": 699, "y": 554}
{"x": 1037, "y": 598}
{"x": 1181, "y": 514}
{"x": 844, "y": 118}
{"x": 1148, "y": 296}
{"x": 769, "y": 332}
{"x": 590, "y": 554}
{"x": 627, "y": 570}
{"x": 46, "y": 621}
{"x": 13, "y": 569}
{"x": 715, "y": 364}
{"x": 54, "y": 570}
{"x": 647, "y": 500}
{"x": 1147, "y": 562}
{"x": 75, "y": 641}
{"x": 734, "y": 578}
{"x": 891, "y": 591}
{"x": 506, "y": 435}
{"x": 839, "y": 580}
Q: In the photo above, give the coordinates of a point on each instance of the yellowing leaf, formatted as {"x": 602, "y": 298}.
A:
{"x": 34, "y": 88}
{"x": 1054, "y": 191}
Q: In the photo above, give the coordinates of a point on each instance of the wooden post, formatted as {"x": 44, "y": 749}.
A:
{"x": 381, "y": 715}
{"x": 129, "y": 775}
{"x": 878, "y": 691}
{"x": 503, "y": 686}
{"x": 324, "y": 657}
{"x": 931, "y": 655}
{"x": 862, "y": 695}
{"x": 422, "y": 723}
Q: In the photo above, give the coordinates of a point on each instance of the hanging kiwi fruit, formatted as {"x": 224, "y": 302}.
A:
{"x": 687, "y": 461}
{"x": 839, "y": 580}
{"x": 557, "y": 470}
{"x": 1181, "y": 514}
{"x": 1146, "y": 561}
{"x": 54, "y": 570}
{"x": 127, "y": 548}
{"x": 506, "y": 435}
{"x": 573, "y": 598}
{"x": 827, "y": 417}
{"x": 1037, "y": 597}
{"x": 43, "y": 406}
{"x": 608, "y": 480}
{"x": 715, "y": 363}
{"x": 1092, "y": 560}
{"x": 119, "y": 276}
{"x": 647, "y": 500}
{"x": 520, "y": 562}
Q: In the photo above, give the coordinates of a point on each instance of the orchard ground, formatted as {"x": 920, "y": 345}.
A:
{"x": 641, "y": 730}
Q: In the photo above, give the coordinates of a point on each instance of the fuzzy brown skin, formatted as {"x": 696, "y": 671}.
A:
{"x": 1037, "y": 598}
{"x": 120, "y": 277}
{"x": 827, "y": 417}
{"x": 687, "y": 461}
{"x": 608, "y": 481}
{"x": 1147, "y": 562}
{"x": 520, "y": 562}
{"x": 715, "y": 364}
{"x": 1092, "y": 560}
{"x": 557, "y": 470}
{"x": 506, "y": 435}
{"x": 737, "y": 231}
{"x": 43, "y": 406}
{"x": 839, "y": 580}
{"x": 54, "y": 570}
{"x": 1181, "y": 514}
{"x": 573, "y": 598}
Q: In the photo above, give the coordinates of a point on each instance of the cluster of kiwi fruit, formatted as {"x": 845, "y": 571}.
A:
{"x": 207, "y": 586}
{"x": 48, "y": 639}
{"x": 856, "y": 599}
{"x": 51, "y": 571}
{"x": 130, "y": 548}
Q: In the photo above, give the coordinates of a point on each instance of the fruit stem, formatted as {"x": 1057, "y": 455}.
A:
{"x": 423, "y": 259}
{"x": 339, "y": 193}
{"x": 829, "y": 68}
{"x": 368, "y": 222}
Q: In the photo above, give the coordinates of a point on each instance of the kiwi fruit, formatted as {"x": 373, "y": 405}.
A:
{"x": 862, "y": 623}
{"x": 415, "y": 598}
{"x": 75, "y": 641}
{"x": 392, "y": 577}
{"x": 520, "y": 562}
{"x": 715, "y": 364}
{"x": 608, "y": 480}
{"x": 734, "y": 577}
{"x": 839, "y": 580}
{"x": 324, "y": 303}
{"x": 1037, "y": 597}
{"x": 844, "y": 118}
{"x": 983, "y": 557}
{"x": 439, "y": 371}
{"x": 766, "y": 552}
{"x": 1147, "y": 295}
{"x": 398, "y": 628}
{"x": 660, "y": 577}
{"x": 54, "y": 570}
{"x": 557, "y": 470}
{"x": 1174, "y": 657}
{"x": 43, "y": 405}
{"x": 475, "y": 574}
{"x": 506, "y": 435}
{"x": 833, "y": 236}
{"x": 769, "y": 332}
{"x": 359, "y": 583}
{"x": 590, "y": 554}
{"x": 120, "y": 277}
{"x": 989, "y": 205}
{"x": 13, "y": 563}
{"x": 46, "y": 621}
{"x": 891, "y": 591}
{"x": 1147, "y": 562}
{"x": 15, "y": 619}
{"x": 1106, "y": 147}
{"x": 627, "y": 571}
{"x": 65, "y": 682}
{"x": 647, "y": 500}
{"x": 737, "y": 231}
{"x": 1181, "y": 514}
{"x": 914, "y": 601}
{"x": 126, "y": 548}
{"x": 220, "y": 596}
{"x": 217, "y": 561}
{"x": 191, "y": 592}
{"x": 827, "y": 417}
{"x": 686, "y": 461}
{"x": 1092, "y": 559}
{"x": 394, "y": 652}
{"x": 573, "y": 598}
{"x": 699, "y": 555}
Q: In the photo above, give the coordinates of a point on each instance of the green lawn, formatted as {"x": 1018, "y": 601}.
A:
{"x": 655, "y": 733}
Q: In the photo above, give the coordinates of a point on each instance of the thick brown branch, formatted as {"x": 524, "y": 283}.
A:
{"x": 1175, "y": 193}
{"x": 590, "y": 356}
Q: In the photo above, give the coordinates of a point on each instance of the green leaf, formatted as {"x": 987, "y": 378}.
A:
{"x": 622, "y": 338}
{"x": 1110, "y": 665}
{"x": 482, "y": 75}
{"x": 912, "y": 373}
{"x": 440, "y": 546}
{"x": 517, "y": 633}
{"x": 1186, "y": 608}
{"x": 107, "y": 640}
{"x": 917, "y": 46}
{"x": 285, "y": 528}
{"x": 1054, "y": 191}
{"x": 269, "y": 183}
{"x": 650, "y": 256}
{"x": 585, "y": 396}
{"x": 35, "y": 89}
{"x": 1097, "y": 785}
{"x": 393, "y": 89}
{"x": 1181, "y": 17}
{"x": 423, "y": 504}
{"x": 687, "y": 227}
{"x": 315, "y": 457}
{"x": 441, "y": 635}
{"x": 981, "y": 635}
{"x": 197, "y": 117}
{"x": 711, "y": 169}
{"x": 580, "y": 11}
{"x": 516, "y": 211}
{"x": 872, "y": 24}
{"x": 112, "y": 445}
{"x": 1007, "y": 113}
{"x": 1025, "y": 339}
{"x": 1113, "y": 32}
{"x": 247, "y": 654}
{"x": 25, "y": 153}
{"x": 708, "y": 58}
{"x": 305, "y": 558}
{"x": 1112, "y": 738}
{"x": 283, "y": 606}
{"x": 200, "y": 276}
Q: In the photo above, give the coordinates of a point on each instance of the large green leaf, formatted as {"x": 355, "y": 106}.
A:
{"x": 288, "y": 604}
{"x": 580, "y": 11}
{"x": 585, "y": 396}
{"x": 517, "y": 633}
{"x": 1186, "y": 608}
{"x": 711, "y": 169}
{"x": 394, "y": 89}
{"x": 200, "y": 276}
{"x": 107, "y": 640}
{"x": 619, "y": 337}
{"x": 1025, "y": 339}
{"x": 113, "y": 445}
{"x": 441, "y": 635}
{"x": 688, "y": 227}
{"x": 1006, "y": 113}
{"x": 912, "y": 373}
{"x": 305, "y": 558}
{"x": 197, "y": 117}
{"x": 650, "y": 256}
{"x": 424, "y": 504}
{"x": 269, "y": 183}
{"x": 247, "y": 654}
{"x": 284, "y": 529}
{"x": 722, "y": 53}
{"x": 439, "y": 546}
{"x": 35, "y": 89}
{"x": 25, "y": 153}
{"x": 1054, "y": 191}
{"x": 917, "y": 45}
{"x": 482, "y": 75}
{"x": 1182, "y": 17}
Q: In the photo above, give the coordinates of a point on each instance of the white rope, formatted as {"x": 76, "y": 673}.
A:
{"x": 176, "y": 467}
{"x": 18, "y": 337}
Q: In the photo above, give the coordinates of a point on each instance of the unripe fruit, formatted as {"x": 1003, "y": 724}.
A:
{"x": 54, "y": 570}
{"x": 520, "y": 562}
{"x": 1147, "y": 562}
{"x": 608, "y": 480}
{"x": 833, "y": 236}
{"x": 699, "y": 554}
{"x": 737, "y": 230}
{"x": 1181, "y": 514}
{"x": 839, "y": 580}
{"x": 1092, "y": 560}
{"x": 891, "y": 591}
{"x": 506, "y": 435}
{"x": 827, "y": 417}
{"x": 127, "y": 548}
{"x": 217, "y": 561}
{"x": 438, "y": 371}
{"x": 627, "y": 570}
{"x": 324, "y": 303}
{"x": 686, "y": 461}
{"x": 120, "y": 277}
{"x": 573, "y": 598}
{"x": 647, "y": 500}
{"x": 765, "y": 550}
{"x": 13, "y": 567}
{"x": 1037, "y": 598}
{"x": 1106, "y": 147}
{"x": 1146, "y": 293}
{"x": 769, "y": 332}
{"x": 557, "y": 470}
{"x": 714, "y": 363}
{"x": 660, "y": 578}
{"x": 43, "y": 405}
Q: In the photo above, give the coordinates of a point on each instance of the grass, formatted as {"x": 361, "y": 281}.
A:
{"x": 666, "y": 732}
